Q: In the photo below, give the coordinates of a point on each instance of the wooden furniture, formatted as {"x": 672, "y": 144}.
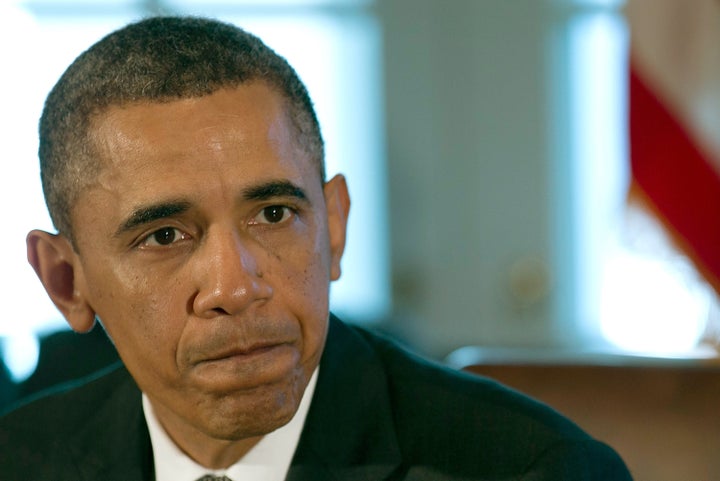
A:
{"x": 663, "y": 418}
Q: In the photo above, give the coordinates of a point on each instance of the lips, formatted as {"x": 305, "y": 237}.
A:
{"x": 241, "y": 368}
{"x": 235, "y": 338}
{"x": 256, "y": 349}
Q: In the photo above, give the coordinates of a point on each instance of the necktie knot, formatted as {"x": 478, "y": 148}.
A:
{"x": 210, "y": 477}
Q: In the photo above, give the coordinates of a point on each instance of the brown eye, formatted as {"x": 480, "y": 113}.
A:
{"x": 165, "y": 236}
{"x": 274, "y": 214}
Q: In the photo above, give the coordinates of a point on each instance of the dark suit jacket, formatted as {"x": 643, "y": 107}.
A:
{"x": 378, "y": 413}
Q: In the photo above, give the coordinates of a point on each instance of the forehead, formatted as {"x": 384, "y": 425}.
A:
{"x": 227, "y": 140}
{"x": 237, "y": 125}
{"x": 242, "y": 115}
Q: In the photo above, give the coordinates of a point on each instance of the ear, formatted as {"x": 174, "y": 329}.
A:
{"x": 337, "y": 201}
{"x": 58, "y": 267}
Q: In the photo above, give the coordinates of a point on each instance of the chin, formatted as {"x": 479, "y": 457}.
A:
{"x": 249, "y": 415}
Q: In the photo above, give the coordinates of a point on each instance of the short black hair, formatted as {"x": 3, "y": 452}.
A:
{"x": 159, "y": 59}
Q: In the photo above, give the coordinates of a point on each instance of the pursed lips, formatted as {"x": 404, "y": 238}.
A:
{"x": 240, "y": 352}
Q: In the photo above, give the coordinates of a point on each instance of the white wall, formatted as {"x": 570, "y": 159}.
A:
{"x": 471, "y": 159}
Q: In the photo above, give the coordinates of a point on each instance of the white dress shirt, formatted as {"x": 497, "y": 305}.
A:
{"x": 268, "y": 460}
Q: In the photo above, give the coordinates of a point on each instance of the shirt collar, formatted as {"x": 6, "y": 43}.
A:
{"x": 268, "y": 460}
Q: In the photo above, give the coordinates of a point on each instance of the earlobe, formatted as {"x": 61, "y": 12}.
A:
{"x": 337, "y": 201}
{"x": 55, "y": 263}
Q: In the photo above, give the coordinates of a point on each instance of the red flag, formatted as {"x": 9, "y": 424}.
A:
{"x": 675, "y": 122}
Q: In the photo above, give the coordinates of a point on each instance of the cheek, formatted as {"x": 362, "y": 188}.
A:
{"x": 298, "y": 268}
{"x": 303, "y": 268}
{"x": 300, "y": 262}
{"x": 142, "y": 313}
{"x": 309, "y": 299}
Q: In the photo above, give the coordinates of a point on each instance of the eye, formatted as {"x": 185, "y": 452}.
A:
{"x": 273, "y": 214}
{"x": 164, "y": 237}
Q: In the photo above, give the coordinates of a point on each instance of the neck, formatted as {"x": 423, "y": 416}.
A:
{"x": 219, "y": 454}
{"x": 208, "y": 451}
{"x": 214, "y": 456}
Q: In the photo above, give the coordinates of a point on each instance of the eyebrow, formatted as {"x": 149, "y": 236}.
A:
{"x": 151, "y": 213}
{"x": 147, "y": 214}
{"x": 273, "y": 189}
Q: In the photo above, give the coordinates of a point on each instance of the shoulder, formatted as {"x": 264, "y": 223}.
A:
{"x": 43, "y": 430}
{"x": 446, "y": 417}
{"x": 62, "y": 407}
{"x": 423, "y": 387}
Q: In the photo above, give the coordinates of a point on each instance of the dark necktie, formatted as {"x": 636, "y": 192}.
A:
{"x": 210, "y": 477}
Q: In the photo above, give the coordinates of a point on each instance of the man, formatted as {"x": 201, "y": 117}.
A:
{"x": 182, "y": 165}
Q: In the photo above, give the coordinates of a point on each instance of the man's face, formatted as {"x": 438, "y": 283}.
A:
{"x": 206, "y": 248}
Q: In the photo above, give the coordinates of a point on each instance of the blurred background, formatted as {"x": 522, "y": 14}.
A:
{"x": 532, "y": 180}
{"x": 487, "y": 145}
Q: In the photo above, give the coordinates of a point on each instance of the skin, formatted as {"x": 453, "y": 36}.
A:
{"x": 206, "y": 247}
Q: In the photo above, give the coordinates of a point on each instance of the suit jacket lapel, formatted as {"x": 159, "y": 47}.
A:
{"x": 115, "y": 445}
{"x": 349, "y": 431}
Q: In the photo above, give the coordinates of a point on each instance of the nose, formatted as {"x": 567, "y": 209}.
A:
{"x": 229, "y": 279}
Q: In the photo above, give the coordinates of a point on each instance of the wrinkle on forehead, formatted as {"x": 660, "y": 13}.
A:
{"x": 116, "y": 130}
{"x": 210, "y": 130}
